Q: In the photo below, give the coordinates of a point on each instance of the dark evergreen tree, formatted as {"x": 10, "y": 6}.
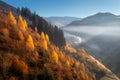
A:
{"x": 56, "y": 35}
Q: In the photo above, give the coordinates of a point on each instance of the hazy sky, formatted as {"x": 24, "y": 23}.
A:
{"x": 74, "y": 8}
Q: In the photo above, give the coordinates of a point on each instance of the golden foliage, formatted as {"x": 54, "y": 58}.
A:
{"x": 47, "y": 37}
{"x": 54, "y": 56}
{"x": 68, "y": 63}
{"x": 44, "y": 44}
{"x": 61, "y": 55}
{"x": 29, "y": 42}
{"x": 20, "y": 65}
{"x": 82, "y": 66}
{"x": 42, "y": 35}
{"x": 25, "y": 23}
{"x": 21, "y": 23}
{"x": 63, "y": 68}
{"x": 29, "y": 39}
{"x": 82, "y": 75}
{"x": 12, "y": 18}
{"x": 70, "y": 49}
{"x": 77, "y": 64}
{"x": 20, "y": 35}
{"x": 4, "y": 31}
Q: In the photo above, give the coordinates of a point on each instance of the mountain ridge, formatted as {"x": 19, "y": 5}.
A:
{"x": 99, "y": 19}
{"x": 61, "y": 21}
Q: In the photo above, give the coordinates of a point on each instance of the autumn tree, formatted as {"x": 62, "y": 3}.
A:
{"x": 29, "y": 42}
{"x": 20, "y": 35}
{"x": 54, "y": 56}
{"x": 12, "y": 18}
{"x": 43, "y": 35}
{"x": 22, "y": 24}
{"x": 68, "y": 63}
{"x": 20, "y": 66}
{"x": 45, "y": 46}
{"x": 25, "y": 23}
{"x": 44, "y": 42}
{"x": 56, "y": 35}
{"x": 47, "y": 37}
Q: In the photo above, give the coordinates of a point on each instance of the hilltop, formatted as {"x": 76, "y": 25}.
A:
{"x": 99, "y": 19}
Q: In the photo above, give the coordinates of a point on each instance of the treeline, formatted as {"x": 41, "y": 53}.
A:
{"x": 35, "y": 21}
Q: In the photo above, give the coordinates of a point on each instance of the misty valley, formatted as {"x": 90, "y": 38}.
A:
{"x": 101, "y": 42}
{"x": 59, "y": 40}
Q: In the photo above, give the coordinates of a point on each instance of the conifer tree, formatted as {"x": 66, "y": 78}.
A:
{"x": 42, "y": 35}
{"x": 54, "y": 56}
{"x": 21, "y": 23}
{"x": 20, "y": 35}
{"x": 25, "y": 23}
{"x": 29, "y": 42}
{"x": 47, "y": 37}
{"x": 45, "y": 46}
{"x": 12, "y": 18}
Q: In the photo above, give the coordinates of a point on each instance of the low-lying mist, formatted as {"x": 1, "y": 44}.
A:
{"x": 95, "y": 30}
{"x": 101, "y": 42}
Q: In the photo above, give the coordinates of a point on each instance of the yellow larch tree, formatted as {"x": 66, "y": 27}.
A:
{"x": 47, "y": 37}
{"x": 12, "y": 18}
{"x": 43, "y": 35}
{"x": 20, "y": 35}
{"x": 29, "y": 42}
{"x": 68, "y": 63}
{"x": 25, "y": 23}
{"x": 44, "y": 44}
{"x": 54, "y": 56}
{"x": 21, "y": 23}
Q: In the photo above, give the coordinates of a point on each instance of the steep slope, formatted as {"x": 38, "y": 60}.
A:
{"x": 4, "y": 7}
{"x": 61, "y": 21}
{"x": 99, "y": 19}
{"x": 102, "y": 73}
{"x": 110, "y": 50}
{"x": 35, "y": 20}
{"x": 55, "y": 33}
{"x": 25, "y": 54}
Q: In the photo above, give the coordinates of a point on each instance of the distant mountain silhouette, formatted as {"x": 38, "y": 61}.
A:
{"x": 99, "y": 19}
{"x": 61, "y": 21}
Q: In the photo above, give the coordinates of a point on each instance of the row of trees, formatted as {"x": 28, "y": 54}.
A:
{"x": 56, "y": 35}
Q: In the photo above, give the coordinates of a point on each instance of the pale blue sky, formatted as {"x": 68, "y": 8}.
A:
{"x": 74, "y": 8}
